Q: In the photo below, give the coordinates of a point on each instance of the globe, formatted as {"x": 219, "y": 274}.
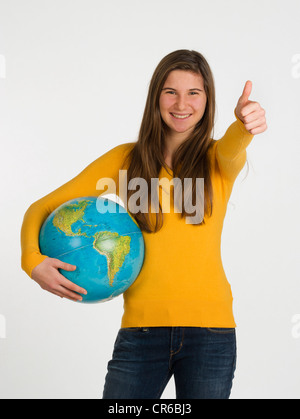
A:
{"x": 102, "y": 239}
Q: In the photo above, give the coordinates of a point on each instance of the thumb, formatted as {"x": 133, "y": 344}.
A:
{"x": 246, "y": 92}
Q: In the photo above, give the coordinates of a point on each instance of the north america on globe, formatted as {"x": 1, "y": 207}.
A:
{"x": 110, "y": 244}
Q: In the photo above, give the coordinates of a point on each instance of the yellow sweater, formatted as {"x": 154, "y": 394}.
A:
{"x": 182, "y": 281}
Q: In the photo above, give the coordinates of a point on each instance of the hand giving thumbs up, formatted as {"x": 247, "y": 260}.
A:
{"x": 251, "y": 113}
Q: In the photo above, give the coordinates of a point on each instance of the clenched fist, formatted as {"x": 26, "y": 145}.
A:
{"x": 251, "y": 113}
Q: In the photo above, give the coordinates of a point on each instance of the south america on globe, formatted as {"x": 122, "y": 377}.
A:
{"x": 101, "y": 239}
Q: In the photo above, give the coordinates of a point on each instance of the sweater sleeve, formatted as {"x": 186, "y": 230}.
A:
{"x": 84, "y": 184}
{"x": 231, "y": 149}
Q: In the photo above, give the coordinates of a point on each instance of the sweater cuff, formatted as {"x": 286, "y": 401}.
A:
{"x": 29, "y": 262}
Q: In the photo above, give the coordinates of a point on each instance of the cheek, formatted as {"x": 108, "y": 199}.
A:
{"x": 165, "y": 103}
{"x": 200, "y": 106}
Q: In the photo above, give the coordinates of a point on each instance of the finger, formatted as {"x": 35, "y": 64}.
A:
{"x": 57, "y": 289}
{"x": 63, "y": 265}
{"x": 259, "y": 130}
{"x": 71, "y": 286}
{"x": 250, "y": 107}
{"x": 253, "y": 116}
{"x": 64, "y": 295}
{"x": 246, "y": 92}
{"x": 59, "y": 294}
{"x": 69, "y": 294}
{"x": 255, "y": 124}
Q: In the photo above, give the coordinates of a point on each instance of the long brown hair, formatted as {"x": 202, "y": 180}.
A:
{"x": 190, "y": 160}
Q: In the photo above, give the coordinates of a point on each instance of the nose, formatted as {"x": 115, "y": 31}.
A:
{"x": 181, "y": 103}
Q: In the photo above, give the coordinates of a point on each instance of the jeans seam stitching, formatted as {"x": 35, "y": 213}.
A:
{"x": 181, "y": 345}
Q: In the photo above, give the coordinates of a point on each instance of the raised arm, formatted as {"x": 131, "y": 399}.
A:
{"x": 231, "y": 148}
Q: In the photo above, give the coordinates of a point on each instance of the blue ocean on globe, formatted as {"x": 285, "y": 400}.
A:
{"x": 104, "y": 242}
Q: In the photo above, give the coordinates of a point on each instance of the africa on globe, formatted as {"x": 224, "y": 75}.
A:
{"x": 102, "y": 239}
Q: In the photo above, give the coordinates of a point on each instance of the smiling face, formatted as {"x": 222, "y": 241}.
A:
{"x": 182, "y": 103}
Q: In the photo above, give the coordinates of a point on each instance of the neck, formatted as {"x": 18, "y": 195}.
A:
{"x": 172, "y": 142}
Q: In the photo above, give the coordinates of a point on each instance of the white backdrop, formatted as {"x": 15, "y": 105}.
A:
{"x": 74, "y": 76}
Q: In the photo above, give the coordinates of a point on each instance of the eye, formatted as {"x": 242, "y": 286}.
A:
{"x": 172, "y": 92}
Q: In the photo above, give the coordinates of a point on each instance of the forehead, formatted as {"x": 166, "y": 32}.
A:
{"x": 179, "y": 79}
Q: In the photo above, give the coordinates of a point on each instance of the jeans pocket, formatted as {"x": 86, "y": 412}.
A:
{"x": 220, "y": 330}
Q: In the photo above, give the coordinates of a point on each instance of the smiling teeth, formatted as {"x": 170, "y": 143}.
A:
{"x": 180, "y": 116}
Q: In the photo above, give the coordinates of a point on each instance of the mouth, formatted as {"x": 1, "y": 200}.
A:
{"x": 179, "y": 116}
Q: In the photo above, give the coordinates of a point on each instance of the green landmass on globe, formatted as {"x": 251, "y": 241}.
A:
{"x": 115, "y": 248}
{"x": 110, "y": 244}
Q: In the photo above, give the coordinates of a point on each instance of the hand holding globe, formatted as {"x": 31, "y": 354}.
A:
{"x": 47, "y": 275}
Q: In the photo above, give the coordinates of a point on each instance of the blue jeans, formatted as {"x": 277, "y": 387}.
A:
{"x": 144, "y": 359}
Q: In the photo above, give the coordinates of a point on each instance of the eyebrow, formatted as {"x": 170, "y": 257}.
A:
{"x": 171, "y": 88}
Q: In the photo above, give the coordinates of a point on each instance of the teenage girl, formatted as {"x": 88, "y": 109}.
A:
{"x": 178, "y": 315}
